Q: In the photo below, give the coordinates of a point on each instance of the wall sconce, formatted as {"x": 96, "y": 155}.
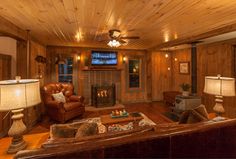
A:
{"x": 176, "y": 59}
{"x": 166, "y": 55}
{"x": 168, "y": 68}
{"x": 124, "y": 58}
{"x": 79, "y": 57}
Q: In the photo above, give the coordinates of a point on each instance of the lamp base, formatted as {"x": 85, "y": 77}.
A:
{"x": 16, "y": 131}
{"x": 17, "y": 144}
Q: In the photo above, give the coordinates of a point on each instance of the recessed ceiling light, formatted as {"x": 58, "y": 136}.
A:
{"x": 78, "y": 36}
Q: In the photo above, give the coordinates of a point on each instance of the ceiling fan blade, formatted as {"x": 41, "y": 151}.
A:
{"x": 130, "y": 37}
{"x": 122, "y": 41}
{"x": 114, "y": 33}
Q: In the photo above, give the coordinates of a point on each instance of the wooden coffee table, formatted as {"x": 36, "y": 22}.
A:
{"x": 107, "y": 120}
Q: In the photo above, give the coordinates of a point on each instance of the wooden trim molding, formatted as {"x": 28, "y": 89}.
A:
{"x": 9, "y": 29}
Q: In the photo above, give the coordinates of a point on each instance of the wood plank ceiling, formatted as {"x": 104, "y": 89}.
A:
{"x": 56, "y": 22}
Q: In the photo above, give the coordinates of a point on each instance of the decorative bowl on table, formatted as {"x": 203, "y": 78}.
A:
{"x": 119, "y": 114}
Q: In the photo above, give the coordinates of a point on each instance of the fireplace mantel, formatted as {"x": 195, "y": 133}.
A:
{"x": 102, "y": 69}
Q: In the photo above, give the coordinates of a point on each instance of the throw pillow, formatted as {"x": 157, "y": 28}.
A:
{"x": 59, "y": 97}
{"x": 195, "y": 115}
{"x": 202, "y": 112}
{"x": 87, "y": 129}
{"x": 62, "y": 131}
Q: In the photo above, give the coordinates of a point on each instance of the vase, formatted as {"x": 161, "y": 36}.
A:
{"x": 185, "y": 93}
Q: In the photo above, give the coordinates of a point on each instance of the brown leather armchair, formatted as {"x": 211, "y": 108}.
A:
{"x": 59, "y": 111}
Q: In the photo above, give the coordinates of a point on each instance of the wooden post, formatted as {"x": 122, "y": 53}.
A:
{"x": 194, "y": 68}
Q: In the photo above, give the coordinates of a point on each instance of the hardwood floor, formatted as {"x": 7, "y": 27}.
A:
{"x": 38, "y": 134}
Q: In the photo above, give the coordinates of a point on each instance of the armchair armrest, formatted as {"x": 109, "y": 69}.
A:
{"x": 55, "y": 104}
{"x": 77, "y": 98}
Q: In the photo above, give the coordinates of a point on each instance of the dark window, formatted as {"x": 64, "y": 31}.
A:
{"x": 65, "y": 71}
{"x": 134, "y": 73}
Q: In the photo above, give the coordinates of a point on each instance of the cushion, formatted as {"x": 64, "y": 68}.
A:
{"x": 87, "y": 129}
{"x": 59, "y": 97}
{"x": 62, "y": 131}
{"x": 197, "y": 114}
{"x": 201, "y": 112}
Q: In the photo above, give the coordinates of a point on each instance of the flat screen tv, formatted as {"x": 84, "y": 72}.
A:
{"x": 103, "y": 58}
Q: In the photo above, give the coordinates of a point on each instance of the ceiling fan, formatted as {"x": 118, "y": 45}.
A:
{"x": 115, "y": 35}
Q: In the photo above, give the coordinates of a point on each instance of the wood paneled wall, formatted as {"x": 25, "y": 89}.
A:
{"x": 183, "y": 55}
{"x": 5, "y": 67}
{"x": 21, "y": 56}
{"x": 216, "y": 59}
{"x": 212, "y": 59}
{"x": 161, "y": 76}
{"x": 125, "y": 95}
{"x": 37, "y": 49}
{"x": 149, "y": 75}
{"x": 128, "y": 95}
{"x": 5, "y": 74}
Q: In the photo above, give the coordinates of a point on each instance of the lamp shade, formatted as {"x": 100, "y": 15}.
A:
{"x": 22, "y": 94}
{"x": 222, "y": 86}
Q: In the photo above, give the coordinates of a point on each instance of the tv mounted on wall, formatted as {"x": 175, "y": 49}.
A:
{"x": 103, "y": 58}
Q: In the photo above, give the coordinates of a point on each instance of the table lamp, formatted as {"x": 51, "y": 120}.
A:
{"x": 15, "y": 95}
{"x": 219, "y": 86}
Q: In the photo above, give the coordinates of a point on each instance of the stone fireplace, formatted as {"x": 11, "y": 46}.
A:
{"x": 103, "y": 95}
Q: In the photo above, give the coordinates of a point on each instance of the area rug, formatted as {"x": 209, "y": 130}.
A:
{"x": 93, "y": 108}
{"x": 172, "y": 116}
{"x": 116, "y": 127}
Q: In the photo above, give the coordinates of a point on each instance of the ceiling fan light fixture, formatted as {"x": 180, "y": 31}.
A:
{"x": 114, "y": 43}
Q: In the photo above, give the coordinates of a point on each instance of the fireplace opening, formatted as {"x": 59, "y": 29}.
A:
{"x": 103, "y": 96}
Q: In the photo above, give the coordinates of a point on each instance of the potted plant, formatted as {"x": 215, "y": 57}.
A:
{"x": 185, "y": 88}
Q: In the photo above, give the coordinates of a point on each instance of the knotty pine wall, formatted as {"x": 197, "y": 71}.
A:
{"x": 32, "y": 114}
{"x": 161, "y": 76}
{"x": 212, "y": 59}
{"x": 183, "y": 55}
{"x": 87, "y": 77}
{"x": 128, "y": 95}
{"x": 37, "y": 49}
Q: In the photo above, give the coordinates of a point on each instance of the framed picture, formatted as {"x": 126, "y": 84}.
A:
{"x": 184, "y": 67}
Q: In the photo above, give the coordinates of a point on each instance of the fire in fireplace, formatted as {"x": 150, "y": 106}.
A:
{"x": 103, "y": 96}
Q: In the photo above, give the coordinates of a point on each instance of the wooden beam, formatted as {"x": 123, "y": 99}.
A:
{"x": 215, "y": 32}
{"x": 9, "y": 29}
